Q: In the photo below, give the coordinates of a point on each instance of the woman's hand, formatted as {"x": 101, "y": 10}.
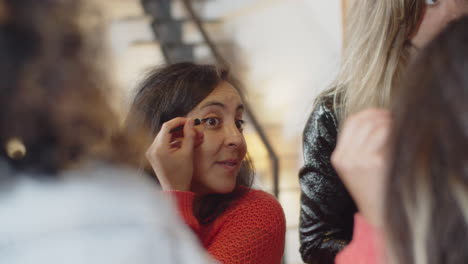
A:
{"x": 360, "y": 158}
{"x": 172, "y": 158}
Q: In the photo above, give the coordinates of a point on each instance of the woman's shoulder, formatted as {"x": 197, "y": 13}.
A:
{"x": 83, "y": 195}
{"x": 326, "y": 103}
{"x": 323, "y": 105}
{"x": 259, "y": 204}
{"x": 323, "y": 116}
{"x": 261, "y": 196}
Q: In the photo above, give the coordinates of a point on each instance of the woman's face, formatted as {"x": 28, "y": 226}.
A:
{"x": 218, "y": 159}
{"x": 437, "y": 15}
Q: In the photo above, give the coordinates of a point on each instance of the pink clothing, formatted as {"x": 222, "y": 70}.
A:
{"x": 367, "y": 246}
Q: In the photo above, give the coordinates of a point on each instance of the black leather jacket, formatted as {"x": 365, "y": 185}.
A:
{"x": 327, "y": 209}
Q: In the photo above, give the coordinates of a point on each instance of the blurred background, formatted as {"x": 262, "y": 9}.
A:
{"x": 284, "y": 52}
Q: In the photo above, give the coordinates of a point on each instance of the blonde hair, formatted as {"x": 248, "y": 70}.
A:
{"x": 375, "y": 51}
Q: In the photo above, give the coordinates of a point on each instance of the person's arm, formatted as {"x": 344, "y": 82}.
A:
{"x": 366, "y": 247}
{"x": 326, "y": 219}
{"x": 251, "y": 233}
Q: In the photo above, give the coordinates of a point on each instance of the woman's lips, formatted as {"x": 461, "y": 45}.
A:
{"x": 230, "y": 165}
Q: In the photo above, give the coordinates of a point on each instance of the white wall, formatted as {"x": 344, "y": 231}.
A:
{"x": 291, "y": 48}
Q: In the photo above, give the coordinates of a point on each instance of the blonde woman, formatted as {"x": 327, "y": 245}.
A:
{"x": 380, "y": 38}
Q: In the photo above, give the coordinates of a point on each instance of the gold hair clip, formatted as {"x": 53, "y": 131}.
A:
{"x": 15, "y": 149}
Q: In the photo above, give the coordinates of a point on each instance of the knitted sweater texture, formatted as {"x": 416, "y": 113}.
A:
{"x": 251, "y": 231}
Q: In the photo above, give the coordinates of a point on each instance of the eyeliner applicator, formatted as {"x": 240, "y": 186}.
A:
{"x": 196, "y": 122}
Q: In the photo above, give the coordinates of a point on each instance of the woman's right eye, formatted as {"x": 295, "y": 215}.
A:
{"x": 432, "y": 2}
{"x": 212, "y": 122}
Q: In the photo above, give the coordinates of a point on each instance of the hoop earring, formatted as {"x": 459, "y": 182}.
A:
{"x": 15, "y": 149}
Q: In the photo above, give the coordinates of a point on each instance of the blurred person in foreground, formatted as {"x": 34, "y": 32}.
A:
{"x": 69, "y": 193}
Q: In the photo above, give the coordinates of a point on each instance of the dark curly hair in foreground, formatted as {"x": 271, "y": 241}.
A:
{"x": 53, "y": 93}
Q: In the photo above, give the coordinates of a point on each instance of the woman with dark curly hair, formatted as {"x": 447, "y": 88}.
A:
{"x": 199, "y": 155}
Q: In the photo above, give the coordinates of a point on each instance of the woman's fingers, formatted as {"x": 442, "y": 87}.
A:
{"x": 379, "y": 135}
{"x": 165, "y": 135}
{"x": 189, "y": 137}
{"x": 172, "y": 160}
{"x": 360, "y": 159}
{"x": 163, "y": 142}
{"x": 358, "y": 129}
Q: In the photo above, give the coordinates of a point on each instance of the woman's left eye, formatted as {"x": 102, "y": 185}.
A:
{"x": 240, "y": 124}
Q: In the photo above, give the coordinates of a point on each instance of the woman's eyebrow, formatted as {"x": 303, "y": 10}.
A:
{"x": 213, "y": 103}
{"x": 219, "y": 104}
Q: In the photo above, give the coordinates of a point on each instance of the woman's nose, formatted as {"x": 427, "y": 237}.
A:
{"x": 234, "y": 137}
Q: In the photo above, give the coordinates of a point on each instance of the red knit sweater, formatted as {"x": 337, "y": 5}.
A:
{"x": 251, "y": 231}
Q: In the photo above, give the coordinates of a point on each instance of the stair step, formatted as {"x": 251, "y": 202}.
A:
{"x": 178, "y": 10}
{"x": 125, "y": 32}
{"x": 200, "y": 51}
{"x": 140, "y": 27}
{"x": 120, "y": 8}
{"x": 172, "y": 20}
{"x": 134, "y": 61}
{"x": 167, "y": 10}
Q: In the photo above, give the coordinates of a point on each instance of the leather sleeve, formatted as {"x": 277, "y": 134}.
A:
{"x": 327, "y": 209}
